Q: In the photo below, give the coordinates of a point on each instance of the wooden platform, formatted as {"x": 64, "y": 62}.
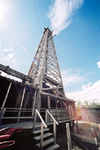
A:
{"x": 27, "y": 125}
{"x": 24, "y": 125}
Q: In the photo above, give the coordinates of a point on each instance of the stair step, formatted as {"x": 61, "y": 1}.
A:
{"x": 39, "y": 131}
{"x": 38, "y": 126}
{"x": 53, "y": 147}
{"x": 46, "y": 142}
{"x": 44, "y": 136}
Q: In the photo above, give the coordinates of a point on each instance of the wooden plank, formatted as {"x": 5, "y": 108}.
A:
{"x": 17, "y": 117}
{"x": 15, "y": 73}
{"x": 68, "y": 137}
{"x": 39, "y": 131}
{"x": 52, "y": 110}
{"x": 59, "y": 118}
{"x": 24, "y": 125}
{"x": 48, "y": 94}
{"x": 46, "y": 142}
{"x": 56, "y": 146}
{"x": 44, "y": 136}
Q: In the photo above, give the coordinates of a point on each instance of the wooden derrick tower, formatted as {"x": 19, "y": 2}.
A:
{"x": 42, "y": 89}
{"x": 45, "y": 71}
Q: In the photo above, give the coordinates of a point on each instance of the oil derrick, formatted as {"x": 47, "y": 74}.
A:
{"x": 45, "y": 71}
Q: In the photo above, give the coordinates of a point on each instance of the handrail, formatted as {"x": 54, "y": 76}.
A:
{"x": 42, "y": 127}
{"x": 52, "y": 117}
{"x": 37, "y": 112}
{"x": 54, "y": 125}
{"x": 41, "y": 118}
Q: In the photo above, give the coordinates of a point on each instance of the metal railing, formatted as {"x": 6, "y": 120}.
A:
{"x": 61, "y": 115}
{"x": 54, "y": 124}
{"x": 42, "y": 126}
{"x": 13, "y": 113}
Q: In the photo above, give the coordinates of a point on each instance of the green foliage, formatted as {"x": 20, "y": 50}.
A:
{"x": 87, "y": 104}
{"x": 78, "y": 105}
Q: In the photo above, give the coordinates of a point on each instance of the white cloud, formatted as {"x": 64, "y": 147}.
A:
{"x": 60, "y": 13}
{"x": 13, "y": 60}
{"x": 9, "y": 57}
{"x": 91, "y": 93}
{"x": 8, "y": 49}
{"x": 25, "y": 50}
{"x": 98, "y": 63}
{"x": 0, "y": 44}
{"x": 35, "y": 47}
{"x": 70, "y": 77}
{"x": 8, "y": 54}
{"x": 84, "y": 87}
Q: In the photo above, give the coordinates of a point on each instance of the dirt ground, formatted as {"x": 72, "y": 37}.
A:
{"x": 61, "y": 140}
{"x": 28, "y": 144}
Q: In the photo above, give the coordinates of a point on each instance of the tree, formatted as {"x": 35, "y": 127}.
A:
{"x": 78, "y": 105}
{"x": 86, "y": 104}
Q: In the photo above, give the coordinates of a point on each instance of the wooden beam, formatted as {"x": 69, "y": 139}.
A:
{"x": 15, "y": 73}
{"x": 51, "y": 95}
{"x": 51, "y": 80}
{"x": 68, "y": 137}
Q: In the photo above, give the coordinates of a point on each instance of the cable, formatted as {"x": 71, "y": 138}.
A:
{"x": 20, "y": 45}
{"x": 37, "y": 16}
{"x": 62, "y": 74}
{"x": 41, "y": 12}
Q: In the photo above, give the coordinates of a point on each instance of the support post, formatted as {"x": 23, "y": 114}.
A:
{"x": 56, "y": 109}
{"x": 68, "y": 137}
{"x": 94, "y": 135}
{"x": 41, "y": 140}
{"x": 48, "y": 120}
{"x": 6, "y": 95}
{"x": 77, "y": 122}
{"x": 2, "y": 114}
{"x": 62, "y": 116}
{"x": 21, "y": 104}
{"x": 54, "y": 131}
{"x": 4, "y": 102}
{"x": 99, "y": 132}
{"x": 61, "y": 112}
{"x": 34, "y": 103}
{"x": 48, "y": 102}
{"x": 34, "y": 120}
{"x": 46, "y": 117}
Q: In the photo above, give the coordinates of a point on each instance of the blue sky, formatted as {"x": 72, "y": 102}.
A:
{"x": 77, "y": 27}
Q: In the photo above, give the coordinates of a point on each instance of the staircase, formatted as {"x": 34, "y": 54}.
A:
{"x": 44, "y": 139}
